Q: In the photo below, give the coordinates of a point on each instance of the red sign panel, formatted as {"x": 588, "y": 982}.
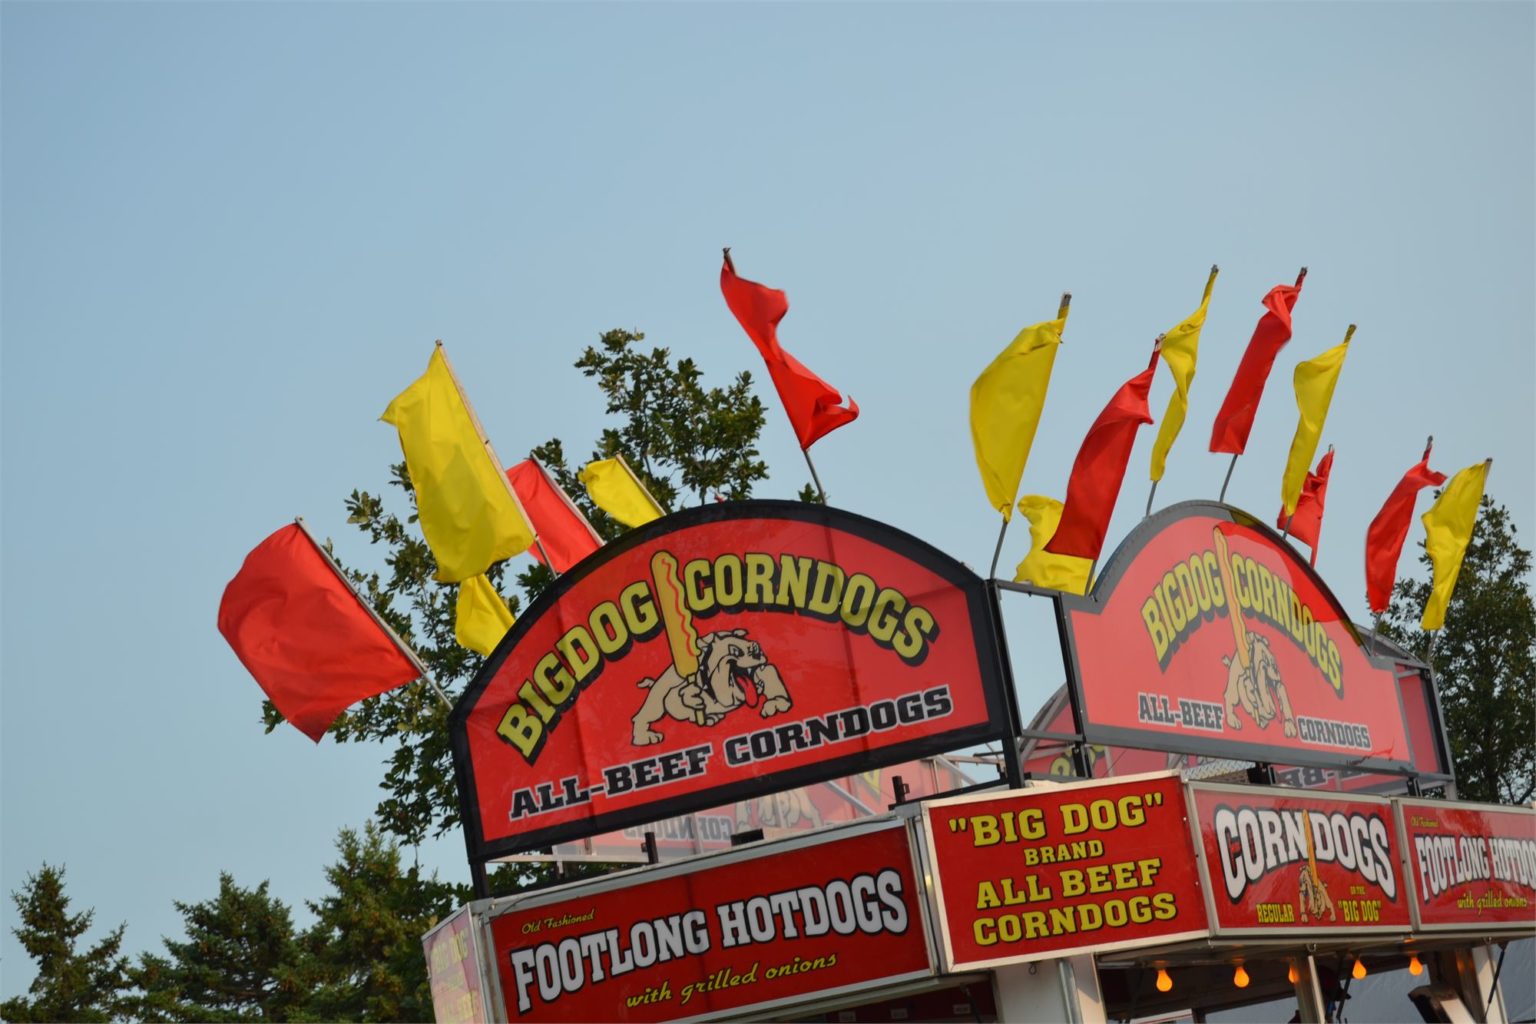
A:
{"x": 1472, "y": 864}
{"x": 453, "y": 970}
{"x": 715, "y": 655}
{"x": 779, "y": 926}
{"x": 1298, "y": 862}
{"x": 1045, "y": 872}
{"x": 1208, "y": 634}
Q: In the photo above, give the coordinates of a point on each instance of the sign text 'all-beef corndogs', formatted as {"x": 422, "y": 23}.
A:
{"x": 718, "y": 654}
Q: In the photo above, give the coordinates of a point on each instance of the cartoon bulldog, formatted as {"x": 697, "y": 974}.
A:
{"x": 732, "y": 673}
{"x": 1254, "y": 683}
{"x": 1312, "y": 894}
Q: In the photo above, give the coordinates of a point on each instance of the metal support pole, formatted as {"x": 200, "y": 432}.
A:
{"x": 814, "y": 478}
{"x": 1230, "y": 466}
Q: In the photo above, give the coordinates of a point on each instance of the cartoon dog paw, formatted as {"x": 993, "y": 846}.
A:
{"x": 644, "y": 737}
{"x": 1289, "y": 728}
{"x": 774, "y": 706}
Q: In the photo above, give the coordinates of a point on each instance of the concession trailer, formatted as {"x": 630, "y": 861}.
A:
{"x": 799, "y": 730}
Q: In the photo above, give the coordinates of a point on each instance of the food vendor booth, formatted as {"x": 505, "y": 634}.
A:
{"x": 1238, "y": 800}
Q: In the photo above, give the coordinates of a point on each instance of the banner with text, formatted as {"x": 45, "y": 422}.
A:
{"x": 784, "y": 925}
{"x": 1472, "y": 864}
{"x": 715, "y": 655}
{"x": 1208, "y": 634}
{"x": 1278, "y": 862}
{"x": 453, "y": 970}
{"x": 1048, "y": 871}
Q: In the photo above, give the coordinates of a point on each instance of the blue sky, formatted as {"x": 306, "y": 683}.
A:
{"x": 231, "y": 233}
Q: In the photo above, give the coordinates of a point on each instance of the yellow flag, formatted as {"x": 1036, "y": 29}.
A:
{"x": 1180, "y": 347}
{"x": 468, "y": 512}
{"x": 480, "y": 618}
{"x": 1315, "y": 380}
{"x": 1040, "y": 567}
{"x": 617, "y": 491}
{"x": 1005, "y": 408}
{"x": 1447, "y": 531}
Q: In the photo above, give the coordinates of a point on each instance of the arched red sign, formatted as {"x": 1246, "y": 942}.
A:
{"x": 1208, "y": 634}
{"x": 719, "y": 654}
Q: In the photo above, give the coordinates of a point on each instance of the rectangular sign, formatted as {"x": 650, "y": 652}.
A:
{"x": 1473, "y": 865}
{"x": 1207, "y": 634}
{"x": 1049, "y": 871}
{"x": 1299, "y": 863}
{"x": 453, "y": 970}
{"x": 747, "y": 931}
{"x": 715, "y": 655}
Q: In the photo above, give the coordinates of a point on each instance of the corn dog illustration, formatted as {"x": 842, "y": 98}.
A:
{"x": 682, "y": 638}
{"x": 1253, "y": 674}
{"x": 1312, "y": 894}
{"x": 710, "y": 676}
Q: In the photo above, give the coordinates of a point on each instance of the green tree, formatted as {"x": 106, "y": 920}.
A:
{"x": 688, "y": 443}
{"x": 1484, "y": 659}
{"x": 70, "y": 985}
{"x": 240, "y": 961}
{"x": 365, "y": 944}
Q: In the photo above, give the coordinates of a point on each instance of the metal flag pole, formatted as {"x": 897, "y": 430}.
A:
{"x": 814, "y": 478}
{"x": 389, "y": 630}
{"x": 997, "y": 551}
{"x": 1230, "y": 467}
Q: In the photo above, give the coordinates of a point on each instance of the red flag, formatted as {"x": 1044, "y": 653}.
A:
{"x": 562, "y": 530}
{"x": 815, "y": 407}
{"x": 1307, "y": 522}
{"x": 1235, "y": 420}
{"x": 1384, "y": 539}
{"x": 303, "y": 632}
{"x": 1100, "y": 469}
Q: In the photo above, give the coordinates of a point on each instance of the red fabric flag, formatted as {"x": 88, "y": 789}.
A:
{"x": 1235, "y": 420}
{"x": 562, "y": 530}
{"x": 1306, "y": 525}
{"x": 302, "y": 631}
{"x": 1100, "y": 469}
{"x": 1384, "y": 539}
{"x": 815, "y": 407}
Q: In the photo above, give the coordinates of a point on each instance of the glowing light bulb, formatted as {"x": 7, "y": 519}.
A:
{"x": 1290, "y": 974}
{"x": 1359, "y": 971}
{"x": 1240, "y": 977}
{"x": 1415, "y": 968}
{"x": 1164, "y": 983}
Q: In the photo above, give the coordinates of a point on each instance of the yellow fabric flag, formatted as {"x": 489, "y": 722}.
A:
{"x": 1447, "y": 532}
{"x": 1315, "y": 380}
{"x": 1180, "y": 346}
{"x": 1040, "y": 567}
{"x": 468, "y": 512}
{"x": 1006, "y": 401}
{"x": 617, "y": 491}
{"x": 480, "y": 617}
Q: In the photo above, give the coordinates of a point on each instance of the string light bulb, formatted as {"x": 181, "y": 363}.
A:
{"x": 1415, "y": 967}
{"x": 1240, "y": 977}
{"x": 1290, "y": 974}
{"x": 1164, "y": 983}
{"x": 1359, "y": 971}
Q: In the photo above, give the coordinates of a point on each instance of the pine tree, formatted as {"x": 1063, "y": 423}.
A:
{"x": 366, "y": 940}
{"x": 1484, "y": 660}
{"x": 240, "y": 961}
{"x": 69, "y": 986}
